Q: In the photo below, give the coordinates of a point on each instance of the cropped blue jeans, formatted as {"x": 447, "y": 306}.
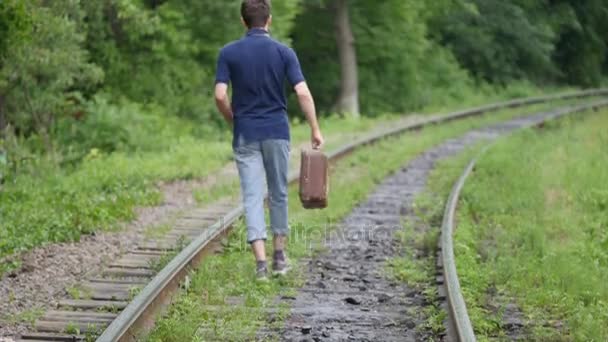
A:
{"x": 261, "y": 165}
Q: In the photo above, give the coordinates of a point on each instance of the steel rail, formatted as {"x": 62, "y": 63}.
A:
{"x": 143, "y": 310}
{"x": 457, "y": 309}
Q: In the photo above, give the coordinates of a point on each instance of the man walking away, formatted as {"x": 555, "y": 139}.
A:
{"x": 257, "y": 66}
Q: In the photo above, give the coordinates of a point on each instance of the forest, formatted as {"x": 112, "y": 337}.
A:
{"x": 124, "y": 87}
{"x": 68, "y": 67}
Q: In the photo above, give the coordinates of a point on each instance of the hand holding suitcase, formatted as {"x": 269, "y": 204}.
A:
{"x": 314, "y": 179}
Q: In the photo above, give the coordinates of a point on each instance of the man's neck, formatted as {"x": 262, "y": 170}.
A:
{"x": 264, "y": 28}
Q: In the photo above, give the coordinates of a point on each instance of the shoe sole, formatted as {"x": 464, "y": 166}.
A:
{"x": 281, "y": 272}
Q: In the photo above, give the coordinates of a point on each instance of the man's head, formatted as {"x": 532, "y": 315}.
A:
{"x": 256, "y": 13}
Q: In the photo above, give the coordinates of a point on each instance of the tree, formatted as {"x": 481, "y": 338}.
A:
{"x": 498, "y": 42}
{"x": 41, "y": 75}
{"x": 582, "y": 43}
{"x": 400, "y": 68}
{"x": 164, "y": 52}
{"x": 348, "y": 99}
{"x": 13, "y": 25}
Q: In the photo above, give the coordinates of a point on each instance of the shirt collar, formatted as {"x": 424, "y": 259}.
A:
{"x": 257, "y": 32}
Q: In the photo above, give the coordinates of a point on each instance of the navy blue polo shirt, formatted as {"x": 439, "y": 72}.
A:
{"x": 257, "y": 66}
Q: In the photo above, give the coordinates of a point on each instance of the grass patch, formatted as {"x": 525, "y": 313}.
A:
{"x": 157, "y": 264}
{"x": 78, "y": 292}
{"x": 157, "y": 231}
{"x": 217, "y": 191}
{"x": 28, "y": 316}
{"x": 231, "y": 274}
{"x": 533, "y": 226}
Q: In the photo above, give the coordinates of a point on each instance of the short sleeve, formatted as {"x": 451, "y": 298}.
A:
{"x": 223, "y": 71}
{"x": 294, "y": 71}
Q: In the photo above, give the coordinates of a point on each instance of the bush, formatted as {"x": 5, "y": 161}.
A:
{"x": 125, "y": 126}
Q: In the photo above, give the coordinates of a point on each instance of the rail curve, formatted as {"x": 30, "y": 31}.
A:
{"x": 458, "y": 315}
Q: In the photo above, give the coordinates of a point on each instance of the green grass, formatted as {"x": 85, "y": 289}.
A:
{"x": 28, "y": 316}
{"x": 79, "y": 292}
{"x": 533, "y": 230}
{"x": 416, "y": 267}
{"x": 217, "y": 191}
{"x": 231, "y": 274}
{"x": 157, "y": 231}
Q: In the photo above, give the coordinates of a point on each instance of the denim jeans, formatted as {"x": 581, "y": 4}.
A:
{"x": 261, "y": 164}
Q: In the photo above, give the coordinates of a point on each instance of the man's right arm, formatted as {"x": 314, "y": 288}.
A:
{"x": 222, "y": 79}
{"x": 223, "y": 102}
{"x": 307, "y": 104}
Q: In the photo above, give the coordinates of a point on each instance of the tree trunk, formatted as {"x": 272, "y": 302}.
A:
{"x": 348, "y": 100}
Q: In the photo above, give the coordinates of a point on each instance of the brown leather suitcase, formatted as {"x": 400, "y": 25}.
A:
{"x": 314, "y": 179}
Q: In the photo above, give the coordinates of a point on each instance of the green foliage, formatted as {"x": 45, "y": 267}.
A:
{"x": 53, "y": 56}
{"x": 582, "y": 47}
{"x": 481, "y": 33}
{"x": 14, "y": 24}
{"x": 399, "y": 68}
{"x": 28, "y": 316}
{"x": 148, "y": 56}
{"x": 40, "y": 75}
{"x": 165, "y": 53}
{"x": 44, "y": 203}
{"x": 126, "y": 127}
{"x": 543, "y": 41}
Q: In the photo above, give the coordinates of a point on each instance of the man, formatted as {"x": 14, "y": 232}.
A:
{"x": 258, "y": 66}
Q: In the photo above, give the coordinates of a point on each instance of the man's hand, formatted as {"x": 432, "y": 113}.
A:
{"x": 316, "y": 139}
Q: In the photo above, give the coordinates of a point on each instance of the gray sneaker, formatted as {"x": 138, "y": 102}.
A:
{"x": 261, "y": 274}
{"x": 261, "y": 271}
{"x": 280, "y": 265}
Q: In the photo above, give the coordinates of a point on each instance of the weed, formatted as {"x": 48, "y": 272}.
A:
{"x": 27, "y": 316}
{"x": 92, "y": 333}
{"x": 158, "y": 231}
{"x": 217, "y": 191}
{"x": 134, "y": 291}
{"x": 75, "y": 292}
{"x": 72, "y": 329}
{"x": 109, "y": 308}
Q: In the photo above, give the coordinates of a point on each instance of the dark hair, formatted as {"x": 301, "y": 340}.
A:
{"x": 255, "y": 12}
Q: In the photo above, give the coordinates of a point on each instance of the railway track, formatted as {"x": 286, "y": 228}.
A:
{"x": 347, "y": 295}
{"x": 126, "y": 297}
{"x": 459, "y": 325}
